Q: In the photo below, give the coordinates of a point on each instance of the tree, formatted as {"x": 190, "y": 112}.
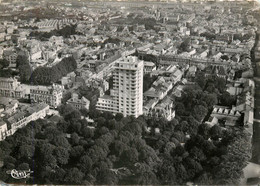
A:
{"x": 107, "y": 177}
{"x": 208, "y": 148}
{"x": 103, "y": 131}
{"x": 148, "y": 81}
{"x": 183, "y": 126}
{"x": 26, "y": 151}
{"x": 134, "y": 128}
{"x": 203, "y": 130}
{"x": 60, "y": 175}
{"x": 6, "y": 73}
{"x": 49, "y": 75}
{"x": 148, "y": 156}
{"x": 185, "y": 45}
{"x": 61, "y": 141}
{"x": 226, "y": 99}
{"x": 75, "y": 138}
{"x": 73, "y": 116}
{"x": 224, "y": 57}
{"x": 230, "y": 170}
{"x": 63, "y": 126}
{"x": 208, "y": 35}
{"x": 87, "y": 132}
{"x": 9, "y": 159}
{"x": 193, "y": 125}
{"x": 200, "y": 79}
{"x": 65, "y": 109}
{"x": 181, "y": 173}
{"x": 25, "y": 72}
{"x": 118, "y": 147}
{"x": 144, "y": 175}
{"x": 62, "y": 155}
{"x": 51, "y": 133}
{"x": 21, "y": 60}
{"x": 85, "y": 164}
{"x": 215, "y": 132}
{"x": 167, "y": 173}
{"x": 96, "y": 153}
{"x": 73, "y": 176}
{"x": 23, "y": 166}
{"x": 172, "y": 124}
{"x": 119, "y": 116}
{"x": 4, "y": 63}
{"x": 75, "y": 124}
{"x": 129, "y": 157}
{"x": 199, "y": 112}
{"x": 210, "y": 100}
{"x": 44, "y": 154}
{"x": 197, "y": 154}
{"x": 192, "y": 166}
{"x": 101, "y": 121}
{"x": 204, "y": 179}
{"x": 178, "y": 151}
{"x": 180, "y": 109}
{"x": 65, "y": 97}
{"x": 76, "y": 152}
{"x": 220, "y": 84}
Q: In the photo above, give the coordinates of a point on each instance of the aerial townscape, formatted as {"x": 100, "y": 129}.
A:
{"x": 162, "y": 92}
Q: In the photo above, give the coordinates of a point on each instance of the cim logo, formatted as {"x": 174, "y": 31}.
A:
{"x": 20, "y": 174}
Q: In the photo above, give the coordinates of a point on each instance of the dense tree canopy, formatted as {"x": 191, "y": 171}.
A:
{"x": 126, "y": 150}
{"x": 49, "y": 75}
{"x": 148, "y": 81}
{"x": 24, "y": 67}
{"x": 117, "y": 150}
{"x": 66, "y": 32}
{"x": 4, "y": 63}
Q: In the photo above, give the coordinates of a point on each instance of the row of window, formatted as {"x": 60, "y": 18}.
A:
{"x": 39, "y": 92}
{"x": 128, "y": 106}
{"x": 133, "y": 99}
{"x": 105, "y": 108}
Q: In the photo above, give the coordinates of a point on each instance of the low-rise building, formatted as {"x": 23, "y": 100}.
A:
{"x": 82, "y": 103}
{"x": 170, "y": 73}
{"x": 50, "y": 95}
{"x": 69, "y": 79}
{"x": 229, "y": 115}
{"x": 8, "y": 106}
{"x": 149, "y": 67}
{"x": 156, "y": 108}
{"x": 10, "y": 87}
{"x": 159, "y": 89}
{"x": 11, "y": 56}
{"x": 234, "y": 90}
{"x": 192, "y": 71}
{"x": 21, "y": 118}
{"x": 212, "y": 121}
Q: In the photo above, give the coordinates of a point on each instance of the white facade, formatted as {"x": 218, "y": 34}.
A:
{"x": 126, "y": 97}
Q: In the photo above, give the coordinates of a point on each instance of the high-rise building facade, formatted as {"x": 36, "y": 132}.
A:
{"x": 126, "y": 96}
